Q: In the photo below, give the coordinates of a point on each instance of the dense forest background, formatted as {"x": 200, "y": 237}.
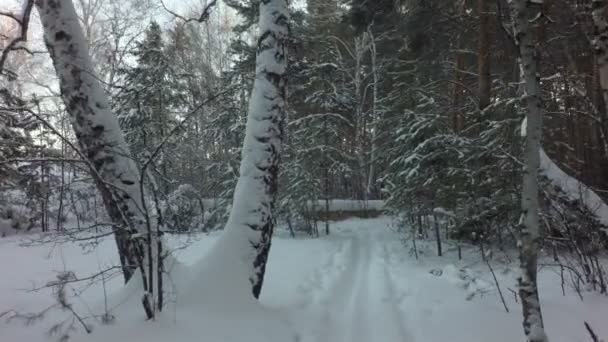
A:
{"x": 412, "y": 102}
{"x": 425, "y": 110}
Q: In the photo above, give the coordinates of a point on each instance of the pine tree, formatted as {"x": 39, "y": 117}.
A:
{"x": 18, "y": 176}
{"x": 148, "y": 104}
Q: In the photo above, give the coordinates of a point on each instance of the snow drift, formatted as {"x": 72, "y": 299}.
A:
{"x": 575, "y": 189}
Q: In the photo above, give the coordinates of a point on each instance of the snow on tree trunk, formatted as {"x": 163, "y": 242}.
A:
{"x": 101, "y": 140}
{"x": 254, "y": 197}
{"x": 523, "y": 11}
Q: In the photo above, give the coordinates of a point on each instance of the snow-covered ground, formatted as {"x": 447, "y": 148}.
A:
{"x": 360, "y": 284}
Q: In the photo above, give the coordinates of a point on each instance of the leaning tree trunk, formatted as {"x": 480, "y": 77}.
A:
{"x": 254, "y": 197}
{"x": 529, "y": 243}
{"x": 101, "y": 140}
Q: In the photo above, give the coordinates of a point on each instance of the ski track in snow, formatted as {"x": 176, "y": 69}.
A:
{"x": 359, "y": 284}
{"x": 362, "y": 305}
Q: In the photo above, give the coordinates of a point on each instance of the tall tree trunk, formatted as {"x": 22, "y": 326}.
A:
{"x": 326, "y": 174}
{"x": 523, "y": 12}
{"x": 600, "y": 45}
{"x": 457, "y": 114}
{"x": 371, "y": 180}
{"x": 100, "y": 138}
{"x": 360, "y": 49}
{"x": 483, "y": 54}
{"x": 254, "y": 197}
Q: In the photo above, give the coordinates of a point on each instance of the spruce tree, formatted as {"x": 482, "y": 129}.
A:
{"x": 149, "y": 101}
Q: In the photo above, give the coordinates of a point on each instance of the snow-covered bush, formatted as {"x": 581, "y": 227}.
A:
{"x": 184, "y": 210}
{"x": 15, "y": 217}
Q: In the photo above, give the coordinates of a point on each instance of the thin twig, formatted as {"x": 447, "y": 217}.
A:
{"x": 24, "y": 22}
{"x": 594, "y": 337}
{"x": 202, "y": 18}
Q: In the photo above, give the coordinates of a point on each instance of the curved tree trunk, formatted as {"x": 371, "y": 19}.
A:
{"x": 102, "y": 142}
{"x": 254, "y": 196}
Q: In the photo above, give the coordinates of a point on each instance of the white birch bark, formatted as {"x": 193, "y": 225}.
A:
{"x": 100, "y": 140}
{"x": 522, "y": 14}
{"x": 251, "y": 216}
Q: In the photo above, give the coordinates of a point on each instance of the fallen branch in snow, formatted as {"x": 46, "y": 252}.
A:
{"x": 74, "y": 279}
{"x": 594, "y": 337}
{"x": 63, "y": 278}
{"x": 502, "y": 298}
{"x": 65, "y": 325}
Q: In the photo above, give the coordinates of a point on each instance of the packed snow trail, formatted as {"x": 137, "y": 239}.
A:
{"x": 359, "y": 284}
{"x": 361, "y": 305}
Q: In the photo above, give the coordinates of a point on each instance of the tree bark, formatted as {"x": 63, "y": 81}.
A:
{"x": 254, "y": 197}
{"x": 523, "y": 12}
{"x": 600, "y": 45}
{"x": 457, "y": 114}
{"x": 371, "y": 181}
{"x": 483, "y": 54}
{"x": 100, "y": 139}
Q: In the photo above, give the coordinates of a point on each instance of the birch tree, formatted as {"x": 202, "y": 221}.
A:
{"x": 254, "y": 196}
{"x": 102, "y": 143}
{"x": 523, "y": 12}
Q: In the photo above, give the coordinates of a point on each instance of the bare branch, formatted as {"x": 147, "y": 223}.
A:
{"x": 180, "y": 125}
{"x": 24, "y": 22}
{"x": 594, "y": 337}
{"x": 42, "y": 160}
{"x": 202, "y": 18}
{"x": 11, "y": 15}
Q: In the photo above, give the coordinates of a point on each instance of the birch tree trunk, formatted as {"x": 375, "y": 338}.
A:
{"x": 522, "y": 13}
{"x": 254, "y": 197}
{"x": 101, "y": 141}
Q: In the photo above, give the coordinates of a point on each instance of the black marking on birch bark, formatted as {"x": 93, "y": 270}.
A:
{"x": 262, "y": 140}
{"x": 62, "y": 35}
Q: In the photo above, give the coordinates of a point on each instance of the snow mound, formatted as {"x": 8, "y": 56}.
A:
{"x": 575, "y": 189}
{"x": 200, "y": 325}
{"x": 211, "y": 299}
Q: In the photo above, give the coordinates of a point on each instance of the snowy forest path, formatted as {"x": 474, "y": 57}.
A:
{"x": 362, "y": 305}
